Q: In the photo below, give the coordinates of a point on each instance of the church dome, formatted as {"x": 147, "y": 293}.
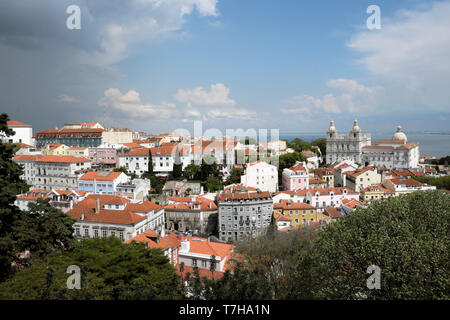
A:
{"x": 332, "y": 128}
{"x": 356, "y": 127}
{"x": 399, "y": 135}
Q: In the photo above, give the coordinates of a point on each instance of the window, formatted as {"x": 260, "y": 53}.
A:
{"x": 203, "y": 263}
{"x": 86, "y": 232}
{"x": 194, "y": 262}
{"x": 95, "y": 233}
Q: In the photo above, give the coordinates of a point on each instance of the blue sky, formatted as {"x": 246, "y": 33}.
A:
{"x": 159, "y": 65}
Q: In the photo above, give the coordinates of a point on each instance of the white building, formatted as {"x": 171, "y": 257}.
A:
{"x": 105, "y": 215}
{"x": 347, "y": 146}
{"x": 28, "y": 163}
{"x": 136, "y": 189}
{"x": 397, "y": 153}
{"x": 261, "y": 175}
{"x": 136, "y": 161}
{"x": 23, "y": 133}
{"x": 319, "y": 198}
{"x": 59, "y": 172}
{"x": 60, "y": 199}
{"x": 406, "y": 185}
{"x": 101, "y": 182}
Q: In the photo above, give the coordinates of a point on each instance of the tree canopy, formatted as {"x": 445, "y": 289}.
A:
{"x": 407, "y": 237}
{"x": 109, "y": 269}
{"x": 39, "y": 231}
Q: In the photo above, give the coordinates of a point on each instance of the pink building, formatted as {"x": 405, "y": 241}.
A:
{"x": 296, "y": 177}
{"x": 103, "y": 156}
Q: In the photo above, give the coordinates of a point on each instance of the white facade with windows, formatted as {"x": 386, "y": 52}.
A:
{"x": 346, "y": 146}
{"x": 261, "y": 175}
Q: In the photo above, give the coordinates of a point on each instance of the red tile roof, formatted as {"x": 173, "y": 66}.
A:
{"x": 94, "y": 175}
{"x": 282, "y": 217}
{"x": 248, "y": 195}
{"x": 377, "y": 188}
{"x": 289, "y": 205}
{"x": 26, "y": 157}
{"x": 13, "y": 123}
{"x": 145, "y": 206}
{"x": 351, "y": 203}
{"x": 203, "y": 272}
{"x": 203, "y": 246}
{"x": 106, "y": 216}
{"x": 90, "y": 200}
{"x": 406, "y": 182}
{"x": 333, "y": 213}
{"x": 65, "y": 159}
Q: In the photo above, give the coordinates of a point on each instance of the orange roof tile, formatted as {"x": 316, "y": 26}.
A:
{"x": 94, "y": 175}
{"x": 13, "y": 123}
{"x": 65, "y": 159}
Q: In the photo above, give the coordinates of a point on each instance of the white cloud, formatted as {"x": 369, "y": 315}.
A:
{"x": 130, "y": 105}
{"x": 218, "y": 95}
{"x": 231, "y": 113}
{"x": 147, "y": 20}
{"x": 66, "y": 98}
{"x": 411, "y": 51}
{"x": 215, "y": 103}
{"x": 351, "y": 96}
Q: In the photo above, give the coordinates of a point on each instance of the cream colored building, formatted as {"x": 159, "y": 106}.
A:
{"x": 375, "y": 192}
{"x": 79, "y": 152}
{"x": 361, "y": 178}
{"x": 55, "y": 149}
{"x": 113, "y": 136}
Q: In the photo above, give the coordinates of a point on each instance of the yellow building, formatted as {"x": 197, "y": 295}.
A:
{"x": 79, "y": 152}
{"x": 375, "y": 192}
{"x": 55, "y": 149}
{"x": 362, "y": 178}
{"x": 299, "y": 213}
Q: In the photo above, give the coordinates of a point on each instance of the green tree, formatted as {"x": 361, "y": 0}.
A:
{"x": 177, "y": 166}
{"x": 440, "y": 183}
{"x": 110, "y": 269}
{"x": 213, "y": 184}
{"x": 322, "y": 144}
{"x": 150, "y": 162}
{"x": 235, "y": 176}
{"x": 191, "y": 171}
{"x": 25, "y": 230}
{"x": 212, "y": 265}
{"x": 299, "y": 145}
{"x": 43, "y": 229}
{"x": 286, "y": 161}
{"x": 208, "y": 167}
{"x": 407, "y": 237}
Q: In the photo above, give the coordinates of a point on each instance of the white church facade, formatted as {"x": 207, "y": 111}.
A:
{"x": 396, "y": 153}
{"x": 346, "y": 146}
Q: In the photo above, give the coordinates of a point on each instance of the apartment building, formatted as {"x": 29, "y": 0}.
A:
{"x": 244, "y": 215}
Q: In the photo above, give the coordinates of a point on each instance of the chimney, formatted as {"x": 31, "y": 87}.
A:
{"x": 82, "y": 216}
{"x": 97, "y": 205}
{"x": 185, "y": 246}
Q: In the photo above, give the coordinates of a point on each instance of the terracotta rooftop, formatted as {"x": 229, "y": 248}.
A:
{"x": 64, "y": 159}
{"x": 14, "y": 123}
{"x": 99, "y": 176}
